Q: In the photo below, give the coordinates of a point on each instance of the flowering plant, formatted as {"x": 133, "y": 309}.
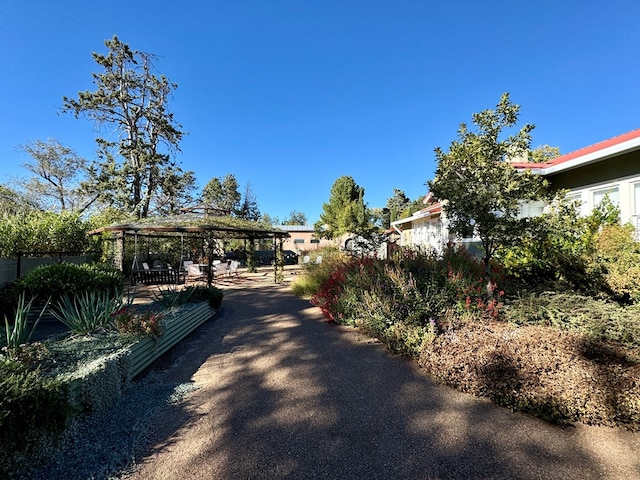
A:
{"x": 128, "y": 320}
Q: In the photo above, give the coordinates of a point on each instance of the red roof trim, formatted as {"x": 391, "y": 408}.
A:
{"x": 625, "y": 137}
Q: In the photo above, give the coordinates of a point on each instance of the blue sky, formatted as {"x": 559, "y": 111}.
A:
{"x": 290, "y": 95}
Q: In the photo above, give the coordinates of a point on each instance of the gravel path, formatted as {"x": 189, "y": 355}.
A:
{"x": 269, "y": 390}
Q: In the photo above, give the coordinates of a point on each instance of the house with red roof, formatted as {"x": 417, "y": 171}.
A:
{"x": 608, "y": 168}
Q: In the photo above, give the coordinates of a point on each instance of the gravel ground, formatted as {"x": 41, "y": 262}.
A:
{"x": 269, "y": 390}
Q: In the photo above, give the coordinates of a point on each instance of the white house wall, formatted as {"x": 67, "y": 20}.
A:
{"x": 625, "y": 193}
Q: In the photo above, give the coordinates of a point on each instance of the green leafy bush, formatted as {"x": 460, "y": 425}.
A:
{"x": 618, "y": 255}
{"x": 39, "y": 231}
{"x": 62, "y": 279}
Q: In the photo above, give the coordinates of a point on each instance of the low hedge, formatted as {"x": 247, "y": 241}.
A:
{"x": 58, "y": 280}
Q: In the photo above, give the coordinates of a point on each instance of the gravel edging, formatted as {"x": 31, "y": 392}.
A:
{"x": 104, "y": 444}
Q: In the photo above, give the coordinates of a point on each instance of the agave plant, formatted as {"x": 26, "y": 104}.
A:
{"x": 88, "y": 312}
{"x": 172, "y": 297}
{"x": 18, "y": 333}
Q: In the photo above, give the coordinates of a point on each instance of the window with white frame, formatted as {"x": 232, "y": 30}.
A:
{"x": 577, "y": 197}
{"x": 611, "y": 192}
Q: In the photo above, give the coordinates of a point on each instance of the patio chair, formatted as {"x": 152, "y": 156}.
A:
{"x": 319, "y": 259}
{"x": 220, "y": 269}
{"x": 306, "y": 259}
{"x": 194, "y": 273}
{"x": 233, "y": 268}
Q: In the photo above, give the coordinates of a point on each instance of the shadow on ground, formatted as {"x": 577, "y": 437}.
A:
{"x": 283, "y": 394}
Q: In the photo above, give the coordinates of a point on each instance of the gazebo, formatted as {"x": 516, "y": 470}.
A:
{"x": 210, "y": 229}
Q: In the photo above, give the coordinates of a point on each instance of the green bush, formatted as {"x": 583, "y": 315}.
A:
{"x": 31, "y": 405}
{"x": 62, "y": 279}
{"x": 618, "y": 256}
{"x": 213, "y": 295}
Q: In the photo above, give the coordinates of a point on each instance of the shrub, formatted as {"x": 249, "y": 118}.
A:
{"x": 62, "y": 279}
{"x": 213, "y": 295}
{"x": 31, "y": 405}
{"x": 135, "y": 322}
{"x": 618, "y": 255}
{"x": 384, "y": 300}
{"x": 317, "y": 274}
{"x": 598, "y": 319}
{"x": 556, "y": 375}
{"x": 335, "y": 277}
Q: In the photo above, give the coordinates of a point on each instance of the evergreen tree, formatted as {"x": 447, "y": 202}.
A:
{"x": 345, "y": 212}
{"x": 249, "y": 207}
{"x": 131, "y": 100}
{"x": 223, "y": 193}
{"x": 395, "y": 207}
{"x": 295, "y": 218}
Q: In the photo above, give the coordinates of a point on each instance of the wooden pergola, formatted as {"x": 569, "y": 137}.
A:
{"x": 210, "y": 229}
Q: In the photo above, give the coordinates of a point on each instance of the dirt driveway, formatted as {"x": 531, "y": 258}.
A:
{"x": 283, "y": 394}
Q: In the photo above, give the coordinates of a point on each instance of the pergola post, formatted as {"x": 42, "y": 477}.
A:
{"x": 278, "y": 260}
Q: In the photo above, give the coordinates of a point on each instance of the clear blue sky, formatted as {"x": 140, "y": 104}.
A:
{"x": 289, "y": 95}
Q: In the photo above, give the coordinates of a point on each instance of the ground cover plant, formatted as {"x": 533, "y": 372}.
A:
{"x": 562, "y": 355}
{"x": 36, "y": 404}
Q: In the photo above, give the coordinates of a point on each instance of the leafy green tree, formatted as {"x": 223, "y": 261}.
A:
{"x": 175, "y": 192}
{"x": 345, "y": 212}
{"x": 39, "y": 231}
{"x": 223, "y": 193}
{"x": 56, "y": 176}
{"x": 295, "y": 218}
{"x": 561, "y": 246}
{"x": 543, "y": 153}
{"x": 483, "y": 192}
{"x": 13, "y": 202}
{"x": 269, "y": 220}
{"x": 132, "y": 102}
